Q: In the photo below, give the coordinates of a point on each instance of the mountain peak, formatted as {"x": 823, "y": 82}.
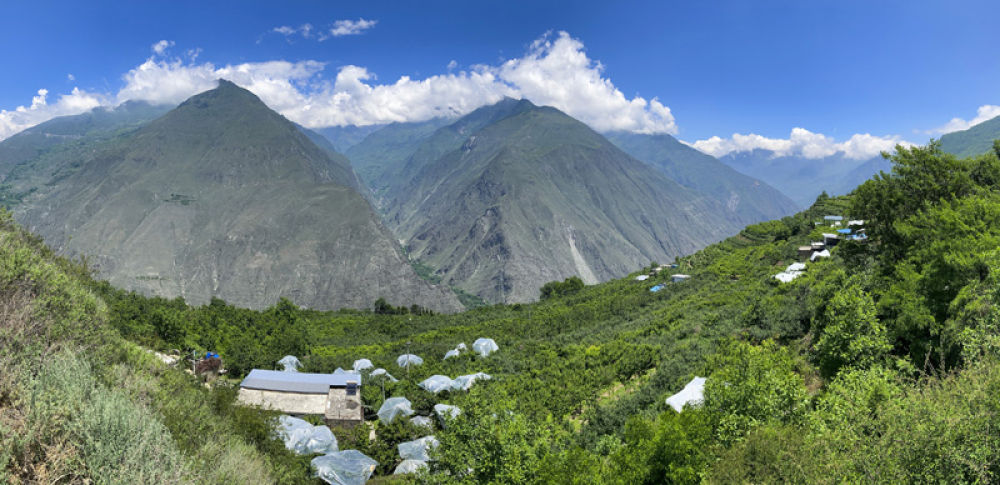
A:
{"x": 227, "y": 93}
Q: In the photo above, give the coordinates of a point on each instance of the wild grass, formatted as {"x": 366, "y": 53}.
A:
{"x": 79, "y": 404}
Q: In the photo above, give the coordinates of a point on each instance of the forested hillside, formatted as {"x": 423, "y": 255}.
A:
{"x": 972, "y": 141}
{"x": 878, "y": 364}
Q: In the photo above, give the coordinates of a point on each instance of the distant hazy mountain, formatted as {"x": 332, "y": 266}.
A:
{"x": 513, "y": 195}
{"x": 224, "y": 197}
{"x": 802, "y": 179}
{"x": 71, "y": 132}
{"x": 344, "y": 137}
{"x": 379, "y": 157}
{"x": 974, "y": 141}
{"x": 749, "y": 198}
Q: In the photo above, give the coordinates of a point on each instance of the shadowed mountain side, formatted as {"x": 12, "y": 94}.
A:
{"x": 224, "y": 197}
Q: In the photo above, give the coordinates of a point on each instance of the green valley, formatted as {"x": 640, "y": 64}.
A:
{"x": 875, "y": 365}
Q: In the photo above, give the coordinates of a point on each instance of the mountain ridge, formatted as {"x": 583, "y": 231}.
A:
{"x": 224, "y": 197}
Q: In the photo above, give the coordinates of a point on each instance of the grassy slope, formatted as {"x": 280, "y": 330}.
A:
{"x": 79, "y": 403}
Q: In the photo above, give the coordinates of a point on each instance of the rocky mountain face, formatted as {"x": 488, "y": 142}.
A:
{"x": 222, "y": 197}
{"x": 514, "y": 195}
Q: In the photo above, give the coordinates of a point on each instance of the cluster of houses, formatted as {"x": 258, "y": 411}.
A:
{"x": 674, "y": 278}
{"x": 854, "y": 230}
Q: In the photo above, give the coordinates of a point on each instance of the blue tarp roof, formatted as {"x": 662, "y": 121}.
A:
{"x": 272, "y": 380}
{"x": 656, "y": 288}
{"x": 833, "y": 218}
{"x": 844, "y": 231}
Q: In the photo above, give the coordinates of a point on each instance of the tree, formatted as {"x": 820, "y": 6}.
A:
{"x": 852, "y": 336}
{"x": 752, "y": 385}
{"x": 567, "y": 287}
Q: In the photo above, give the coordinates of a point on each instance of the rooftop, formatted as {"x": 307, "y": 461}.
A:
{"x": 272, "y": 380}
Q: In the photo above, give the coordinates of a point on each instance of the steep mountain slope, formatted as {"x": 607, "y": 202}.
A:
{"x": 344, "y": 137}
{"x": 974, "y": 141}
{"x": 64, "y": 130}
{"x": 514, "y": 195}
{"x": 224, "y": 197}
{"x": 802, "y": 179}
{"x": 343, "y": 172}
{"x": 751, "y": 199}
{"x": 381, "y": 154}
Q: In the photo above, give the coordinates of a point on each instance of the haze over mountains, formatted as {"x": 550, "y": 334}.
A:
{"x": 801, "y": 178}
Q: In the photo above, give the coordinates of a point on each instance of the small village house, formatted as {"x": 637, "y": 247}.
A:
{"x": 336, "y": 397}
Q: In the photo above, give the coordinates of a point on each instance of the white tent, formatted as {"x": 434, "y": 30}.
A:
{"x": 382, "y": 372}
{"x": 348, "y": 467}
{"x": 393, "y": 407}
{"x": 485, "y": 346}
{"x": 464, "y": 383}
{"x": 692, "y": 394}
{"x": 437, "y": 383}
{"x": 362, "y": 364}
{"x": 407, "y": 360}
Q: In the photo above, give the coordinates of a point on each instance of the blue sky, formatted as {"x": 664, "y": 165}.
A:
{"x": 897, "y": 70}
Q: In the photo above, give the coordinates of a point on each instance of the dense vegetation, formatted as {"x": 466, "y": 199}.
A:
{"x": 79, "y": 404}
{"x": 878, "y": 364}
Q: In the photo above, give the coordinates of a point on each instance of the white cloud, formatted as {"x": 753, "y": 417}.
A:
{"x": 559, "y": 73}
{"x": 160, "y": 47}
{"x": 39, "y": 111}
{"x": 70, "y": 77}
{"x": 452, "y": 64}
{"x": 351, "y": 27}
{"x": 802, "y": 143}
{"x": 555, "y": 71}
{"x": 985, "y": 112}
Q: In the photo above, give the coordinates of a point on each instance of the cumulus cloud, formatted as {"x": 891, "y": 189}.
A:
{"x": 160, "y": 47}
{"x": 555, "y": 71}
{"x": 802, "y": 143}
{"x": 985, "y": 112}
{"x": 351, "y": 27}
{"x": 40, "y": 110}
{"x": 559, "y": 73}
